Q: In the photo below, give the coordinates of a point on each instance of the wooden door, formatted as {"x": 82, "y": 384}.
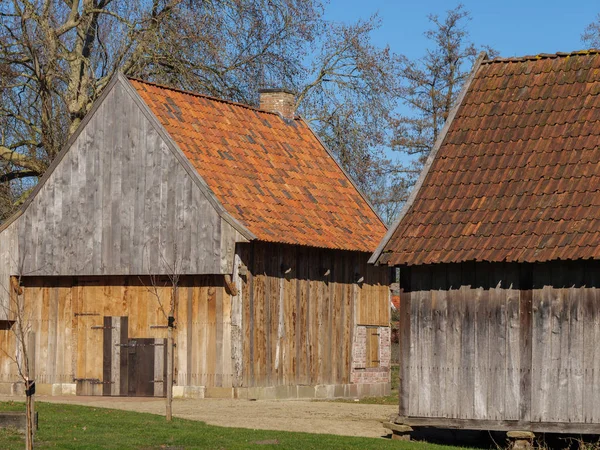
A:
{"x": 140, "y": 367}
{"x": 133, "y": 367}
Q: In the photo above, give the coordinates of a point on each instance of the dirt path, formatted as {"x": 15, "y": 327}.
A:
{"x": 295, "y": 415}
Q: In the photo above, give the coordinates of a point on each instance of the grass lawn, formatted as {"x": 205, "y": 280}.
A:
{"x": 76, "y": 427}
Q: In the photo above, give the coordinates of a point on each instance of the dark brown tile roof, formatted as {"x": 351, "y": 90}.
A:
{"x": 517, "y": 177}
{"x": 272, "y": 175}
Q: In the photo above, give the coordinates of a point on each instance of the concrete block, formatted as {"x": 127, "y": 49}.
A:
{"x": 255, "y": 393}
{"x": 306, "y": 392}
{"x": 285, "y": 392}
{"x": 218, "y": 392}
{"x": 64, "y": 389}
{"x": 325, "y": 391}
{"x": 7, "y": 389}
{"x": 339, "y": 390}
{"x": 69, "y": 389}
{"x": 44, "y": 389}
{"x": 177, "y": 391}
{"x": 269, "y": 393}
{"x": 352, "y": 391}
{"x": 188, "y": 391}
{"x": 194, "y": 392}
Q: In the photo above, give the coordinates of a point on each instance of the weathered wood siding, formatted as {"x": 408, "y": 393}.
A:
{"x": 118, "y": 202}
{"x": 300, "y": 307}
{"x": 68, "y": 316}
{"x": 501, "y": 342}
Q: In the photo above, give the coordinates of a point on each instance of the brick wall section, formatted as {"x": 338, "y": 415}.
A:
{"x": 380, "y": 374}
{"x": 280, "y": 101}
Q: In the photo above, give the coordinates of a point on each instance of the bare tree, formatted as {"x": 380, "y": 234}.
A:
{"x": 19, "y": 316}
{"x": 159, "y": 284}
{"x": 430, "y": 87}
{"x": 591, "y": 35}
{"x": 59, "y": 55}
{"x": 350, "y": 95}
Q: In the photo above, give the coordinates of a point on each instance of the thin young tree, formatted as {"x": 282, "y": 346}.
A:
{"x": 157, "y": 287}
{"x": 19, "y": 314}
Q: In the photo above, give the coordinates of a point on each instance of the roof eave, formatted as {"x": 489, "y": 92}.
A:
{"x": 374, "y": 259}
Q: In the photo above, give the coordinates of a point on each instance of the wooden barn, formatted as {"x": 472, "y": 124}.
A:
{"x": 267, "y": 237}
{"x": 499, "y": 255}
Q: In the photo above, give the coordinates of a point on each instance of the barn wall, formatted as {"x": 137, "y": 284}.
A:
{"x": 497, "y": 342}
{"x": 119, "y": 202}
{"x": 299, "y": 313}
{"x": 67, "y": 315}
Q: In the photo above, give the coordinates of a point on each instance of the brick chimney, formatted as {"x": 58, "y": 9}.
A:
{"x": 279, "y": 101}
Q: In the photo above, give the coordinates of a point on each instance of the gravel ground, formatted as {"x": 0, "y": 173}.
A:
{"x": 346, "y": 419}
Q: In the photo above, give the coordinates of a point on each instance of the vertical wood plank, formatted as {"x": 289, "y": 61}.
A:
{"x": 481, "y": 375}
{"x": 405, "y": 344}
{"x": 525, "y": 339}
{"x": 107, "y": 362}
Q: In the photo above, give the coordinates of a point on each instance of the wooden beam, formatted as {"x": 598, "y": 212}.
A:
{"x": 230, "y": 286}
{"x": 501, "y": 425}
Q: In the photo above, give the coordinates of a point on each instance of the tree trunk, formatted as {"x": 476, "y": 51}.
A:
{"x": 30, "y": 423}
{"x": 169, "y": 383}
{"x": 30, "y": 402}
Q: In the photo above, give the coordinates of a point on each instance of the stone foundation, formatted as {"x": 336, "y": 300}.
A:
{"x": 57, "y": 389}
{"x": 322, "y": 391}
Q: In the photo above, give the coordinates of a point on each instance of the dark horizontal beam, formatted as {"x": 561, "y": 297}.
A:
{"x": 501, "y": 425}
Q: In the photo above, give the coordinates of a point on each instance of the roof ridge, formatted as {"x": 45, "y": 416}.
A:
{"x": 592, "y": 51}
{"x": 208, "y": 97}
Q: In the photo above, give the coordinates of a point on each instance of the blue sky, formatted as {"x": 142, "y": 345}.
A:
{"x": 512, "y": 27}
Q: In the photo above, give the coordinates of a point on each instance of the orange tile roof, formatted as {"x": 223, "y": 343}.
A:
{"x": 517, "y": 177}
{"x": 271, "y": 174}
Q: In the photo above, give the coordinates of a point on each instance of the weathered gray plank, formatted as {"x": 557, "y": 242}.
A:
{"x": 481, "y": 373}
{"x": 406, "y": 354}
{"x": 496, "y": 386}
{"x": 467, "y": 356}
{"x": 117, "y": 191}
{"x": 453, "y": 340}
{"x": 575, "y": 295}
{"x": 439, "y": 303}
{"x": 542, "y": 393}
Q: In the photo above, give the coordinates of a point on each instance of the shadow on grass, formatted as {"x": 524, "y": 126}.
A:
{"x": 497, "y": 439}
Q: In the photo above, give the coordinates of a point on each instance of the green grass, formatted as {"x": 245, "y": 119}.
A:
{"x": 76, "y": 427}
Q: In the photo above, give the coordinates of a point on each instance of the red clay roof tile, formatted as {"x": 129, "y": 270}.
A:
{"x": 517, "y": 177}
{"x": 272, "y": 175}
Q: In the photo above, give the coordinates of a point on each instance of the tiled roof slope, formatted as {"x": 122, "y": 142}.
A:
{"x": 272, "y": 175}
{"x": 517, "y": 177}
